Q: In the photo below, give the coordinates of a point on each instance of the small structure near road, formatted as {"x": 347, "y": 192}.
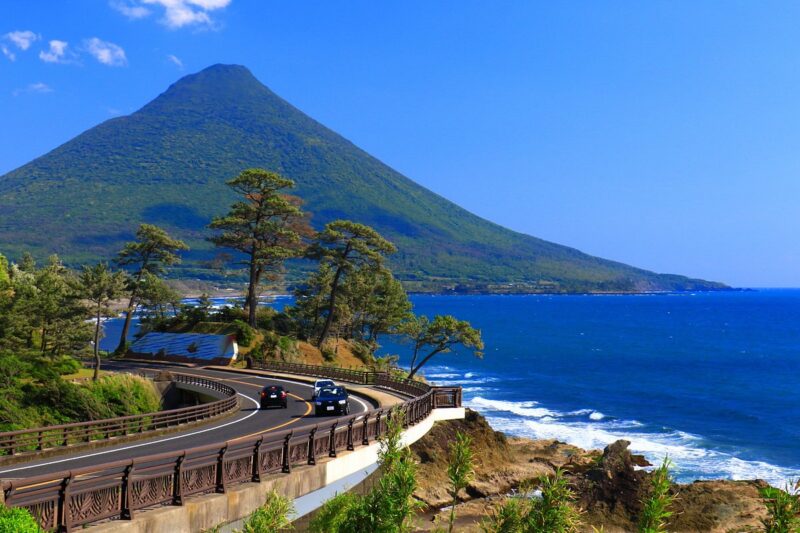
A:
{"x": 186, "y": 348}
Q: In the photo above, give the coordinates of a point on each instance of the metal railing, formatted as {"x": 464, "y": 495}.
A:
{"x": 408, "y": 387}
{"x": 67, "y": 500}
{"x": 13, "y": 443}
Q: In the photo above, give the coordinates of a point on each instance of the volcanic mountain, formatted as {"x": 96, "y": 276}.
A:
{"x": 167, "y": 164}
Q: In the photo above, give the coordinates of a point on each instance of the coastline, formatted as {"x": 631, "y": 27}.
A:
{"x": 609, "y": 484}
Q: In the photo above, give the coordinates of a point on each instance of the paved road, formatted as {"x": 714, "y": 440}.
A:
{"x": 248, "y": 421}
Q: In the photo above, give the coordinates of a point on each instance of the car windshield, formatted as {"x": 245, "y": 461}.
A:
{"x": 326, "y": 383}
{"x": 273, "y": 388}
{"x": 332, "y": 391}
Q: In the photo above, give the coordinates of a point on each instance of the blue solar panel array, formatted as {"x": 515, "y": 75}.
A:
{"x": 190, "y": 346}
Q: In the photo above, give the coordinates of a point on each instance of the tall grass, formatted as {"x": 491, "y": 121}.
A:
{"x": 656, "y": 508}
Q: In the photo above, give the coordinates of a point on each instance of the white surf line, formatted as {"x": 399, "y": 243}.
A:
{"x": 353, "y": 396}
{"x": 112, "y": 450}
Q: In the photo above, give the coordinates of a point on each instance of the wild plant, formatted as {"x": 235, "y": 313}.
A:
{"x": 783, "y": 509}
{"x": 656, "y": 508}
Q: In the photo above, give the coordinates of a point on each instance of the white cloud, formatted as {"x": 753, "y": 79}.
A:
{"x": 176, "y": 61}
{"x": 56, "y": 52}
{"x": 23, "y": 39}
{"x": 130, "y": 10}
{"x": 180, "y": 13}
{"x": 38, "y": 87}
{"x": 105, "y": 52}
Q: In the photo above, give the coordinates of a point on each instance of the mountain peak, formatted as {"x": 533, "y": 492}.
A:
{"x": 167, "y": 164}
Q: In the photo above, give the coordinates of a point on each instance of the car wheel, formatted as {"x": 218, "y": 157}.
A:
{"x": 284, "y": 405}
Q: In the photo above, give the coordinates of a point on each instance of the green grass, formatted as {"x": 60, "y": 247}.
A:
{"x": 167, "y": 164}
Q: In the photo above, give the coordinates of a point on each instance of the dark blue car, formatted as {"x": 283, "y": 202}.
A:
{"x": 331, "y": 401}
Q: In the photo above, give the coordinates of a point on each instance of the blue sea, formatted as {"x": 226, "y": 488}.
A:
{"x": 710, "y": 379}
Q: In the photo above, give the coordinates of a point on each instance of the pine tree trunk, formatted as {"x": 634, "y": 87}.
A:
{"x": 251, "y": 292}
{"x": 97, "y": 348}
{"x": 331, "y": 306}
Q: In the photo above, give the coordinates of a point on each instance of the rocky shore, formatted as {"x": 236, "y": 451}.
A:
{"x": 609, "y": 484}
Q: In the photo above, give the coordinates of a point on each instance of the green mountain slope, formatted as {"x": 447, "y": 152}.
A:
{"x": 167, "y": 164}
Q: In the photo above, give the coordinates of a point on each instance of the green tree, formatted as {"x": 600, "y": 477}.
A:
{"x": 439, "y": 335}
{"x": 49, "y": 312}
{"x": 655, "y": 508}
{"x": 266, "y": 226}
{"x": 151, "y": 252}
{"x": 311, "y": 297}
{"x": 346, "y": 246}
{"x": 460, "y": 470}
{"x": 156, "y": 301}
{"x": 99, "y": 286}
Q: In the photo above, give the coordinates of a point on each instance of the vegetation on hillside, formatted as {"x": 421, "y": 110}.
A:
{"x": 167, "y": 164}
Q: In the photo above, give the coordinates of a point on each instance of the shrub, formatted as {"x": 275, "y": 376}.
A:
{"x": 270, "y": 517}
{"x": 245, "y": 335}
{"x": 363, "y": 352}
{"x": 783, "y": 509}
{"x": 328, "y": 354}
{"x": 125, "y": 394}
{"x": 66, "y": 365}
{"x": 553, "y": 511}
{"x": 15, "y": 520}
{"x": 655, "y": 509}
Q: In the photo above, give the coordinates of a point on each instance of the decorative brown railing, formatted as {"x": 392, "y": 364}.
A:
{"x": 68, "y": 500}
{"x": 14, "y": 443}
{"x": 378, "y": 379}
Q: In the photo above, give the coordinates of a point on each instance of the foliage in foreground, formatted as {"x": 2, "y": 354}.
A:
{"x": 389, "y": 507}
{"x": 15, "y": 520}
{"x": 270, "y": 517}
{"x": 553, "y": 511}
{"x": 656, "y": 508}
{"x": 783, "y": 509}
{"x": 460, "y": 470}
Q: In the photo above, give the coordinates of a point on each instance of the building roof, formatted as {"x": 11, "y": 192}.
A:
{"x": 200, "y": 347}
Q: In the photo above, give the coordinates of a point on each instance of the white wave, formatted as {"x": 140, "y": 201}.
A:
{"x": 444, "y": 375}
{"x": 597, "y": 415}
{"x": 691, "y": 460}
{"x": 526, "y": 409}
{"x": 469, "y": 375}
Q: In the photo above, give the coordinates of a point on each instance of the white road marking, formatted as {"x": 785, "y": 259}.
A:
{"x": 112, "y": 450}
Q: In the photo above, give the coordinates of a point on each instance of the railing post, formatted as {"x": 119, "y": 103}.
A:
{"x": 126, "y": 513}
{"x": 312, "y": 460}
{"x": 177, "y": 484}
{"x": 365, "y": 437}
{"x": 287, "y": 461}
{"x": 257, "y": 460}
{"x": 221, "y": 469}
{"x": 350, "y": 446}
{"x": 332, "y": 442}
{"x": 378, "y": 424}
{"x": 64, "y": 521}
{"x": 39, "y": 441}
{"x": 11, "y": 446}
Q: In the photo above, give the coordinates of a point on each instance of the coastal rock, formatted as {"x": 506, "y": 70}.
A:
{"x": 609, "y": 485}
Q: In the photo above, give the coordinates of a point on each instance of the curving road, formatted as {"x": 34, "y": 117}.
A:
{"x": 249, "y": 420}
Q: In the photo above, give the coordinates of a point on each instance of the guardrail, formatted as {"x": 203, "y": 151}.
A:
{"x": 409, "y": 387}
{"x": 72, "y": 499}
{"x": 14, "y": 443}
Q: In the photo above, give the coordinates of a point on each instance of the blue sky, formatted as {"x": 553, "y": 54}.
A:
{"x": 661, "y": 134}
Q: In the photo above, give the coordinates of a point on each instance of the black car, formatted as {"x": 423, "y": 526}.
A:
{"x": 273, "y": 396}
{"x": 332, "y": 401}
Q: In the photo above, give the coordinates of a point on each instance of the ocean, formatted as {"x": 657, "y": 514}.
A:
{"x": 709, "y": 379}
